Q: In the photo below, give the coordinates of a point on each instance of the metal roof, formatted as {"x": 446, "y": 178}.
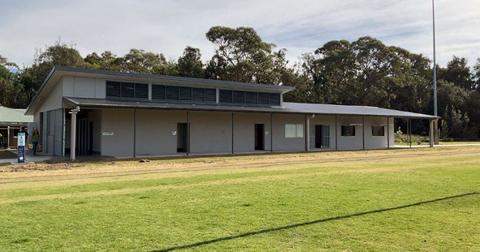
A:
{"x": 288, "y": 107}
{"x": 12, "y": 116}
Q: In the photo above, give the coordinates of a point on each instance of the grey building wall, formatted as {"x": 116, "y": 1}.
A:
{"x": 210, "y": 132}
{"x": 156, "y": 132}
{"x": 117, "y": 132}
{"x": 280, "y": 142}
{"x": 153, "y": 133}
{"x": 52, "y": 130}
{"x": 84, "y": 87}
{"x": 244, "y": 131}
{"x": 355, "y": 142}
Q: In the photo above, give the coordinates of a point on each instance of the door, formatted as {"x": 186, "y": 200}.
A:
{"x": 318, "y": 136}
{"x": 259, "y": 136}
{"x": 84, "y": 137}
{"x": 182, "y": 137}
{"x": 322, "y": 136}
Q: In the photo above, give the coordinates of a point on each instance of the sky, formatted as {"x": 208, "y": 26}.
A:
{"x": 300, "y": 26}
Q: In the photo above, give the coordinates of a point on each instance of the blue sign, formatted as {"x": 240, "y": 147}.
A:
{"x": 21, "y": 154}
{"x": 21, "y": 147}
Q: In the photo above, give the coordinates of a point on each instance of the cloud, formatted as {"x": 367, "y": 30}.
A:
{"x": 300, "y": 26}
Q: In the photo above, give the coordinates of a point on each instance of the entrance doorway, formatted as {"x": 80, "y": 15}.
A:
{"x": 259, "y": 136}
{"x": 182, "y": 137}
{"x": 322, "y": 136}
{"x": 84, "y": 137}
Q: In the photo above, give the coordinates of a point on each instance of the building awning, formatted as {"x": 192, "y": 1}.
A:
{"x": 14, "y": 116}
{"x": 288, "y": 107}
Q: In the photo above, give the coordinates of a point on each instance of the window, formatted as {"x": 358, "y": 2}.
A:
{"x": 378, "y": 131}
{"x": 171, "y": 93}
{"x": 113, "y": 89}
{"x": 238, "y": 97}
{"x": 251, "y": 98}
{"x": 141, "y": 91}
{"x": 185, "y": 93}
{"x": 293, "y": 130}
{"x": 174, "y": 93}
{"x": 348, "y": 130}
{"x": 127, "y": 90}
{"x": 274, "y": 99}
{"x": 158, "y": 92}
{"x": 263, "y": 98}
{"x": 198, "y": 94}
{"x": 210, "y": 95}
{"x": 226, "y": 96}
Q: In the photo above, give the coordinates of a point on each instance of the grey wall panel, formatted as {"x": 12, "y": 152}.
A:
{"x": 350, "y": 142}
{"x": 117, "y": 132}
{"x": 322, "y": 120}
{"x": 58, "y": 132}
{"x": 156, "y": 132}
{"x": 244, "y": 131}
{"x": 95, "y": 116}
{"x": 211, "y": 132}
{"x": 84, "y": 87}
{"x": 280, "y": 142}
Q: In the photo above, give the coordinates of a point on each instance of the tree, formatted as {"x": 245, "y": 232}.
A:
{"x": 366, "y": 72}
{"x": 106, "y": 60}
{"x": 241, "y": 55}
{"x": 141, "y": 61}
{"x": 190, "y": 63}
{"x": 458, "y": 73}
{"x": 11, "y": 90}
{"x": 476, "y": 75}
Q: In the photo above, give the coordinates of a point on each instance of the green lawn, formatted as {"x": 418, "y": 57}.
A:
{"x": 396, "y": 200}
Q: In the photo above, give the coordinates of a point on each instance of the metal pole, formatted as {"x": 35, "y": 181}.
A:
{"x": 363, "y": 131}
{"x": 232, "y": 134}
{"x": 410, "y": 132}
{"x": 188, "y": 134}
{"x": 271, "y": 132}
{"x": 134, "y": 133}
{"x": 431, "y": 142}
{"x": 8, "y": 137}
{"x": 435, "y": 106}
{"x": 336, "y": 132}
{"x": 307, "y": 133}
{"x": 388, "y": 133}
{"x": 73, "y": 132}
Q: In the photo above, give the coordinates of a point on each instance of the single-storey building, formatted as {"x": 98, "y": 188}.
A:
{"x": 11, "y": 120}
{"x": 96, "y": 112}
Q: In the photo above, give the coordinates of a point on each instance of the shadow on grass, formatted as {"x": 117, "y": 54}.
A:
{"x": 295, "y": 225}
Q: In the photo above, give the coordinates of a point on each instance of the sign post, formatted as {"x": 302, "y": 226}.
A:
{"x": 21, "y": 147}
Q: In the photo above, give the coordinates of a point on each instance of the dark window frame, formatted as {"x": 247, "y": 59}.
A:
{"x": 378, "y": 130}
{"x": 121, "y": 88}
{"x": 348, "y": 130}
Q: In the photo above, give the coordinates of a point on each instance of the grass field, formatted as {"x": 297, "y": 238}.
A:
{"x": 397, "y": 200}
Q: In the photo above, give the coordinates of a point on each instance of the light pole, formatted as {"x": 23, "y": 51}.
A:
{"x": 435, "y": 106}
{"x": 436, "y": 134}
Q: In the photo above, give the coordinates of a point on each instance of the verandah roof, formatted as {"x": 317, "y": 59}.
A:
{"x": 288, "y": 107}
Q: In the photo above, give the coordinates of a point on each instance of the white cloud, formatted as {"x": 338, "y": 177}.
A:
{"x": 301, "y": 26}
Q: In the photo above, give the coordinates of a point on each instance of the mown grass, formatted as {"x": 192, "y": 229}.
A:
{"x": 319, "y": 201}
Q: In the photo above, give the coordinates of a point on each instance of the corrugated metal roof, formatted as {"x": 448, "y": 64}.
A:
{"x": 10, "y": 115}
{"x": 288, "y": 107}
